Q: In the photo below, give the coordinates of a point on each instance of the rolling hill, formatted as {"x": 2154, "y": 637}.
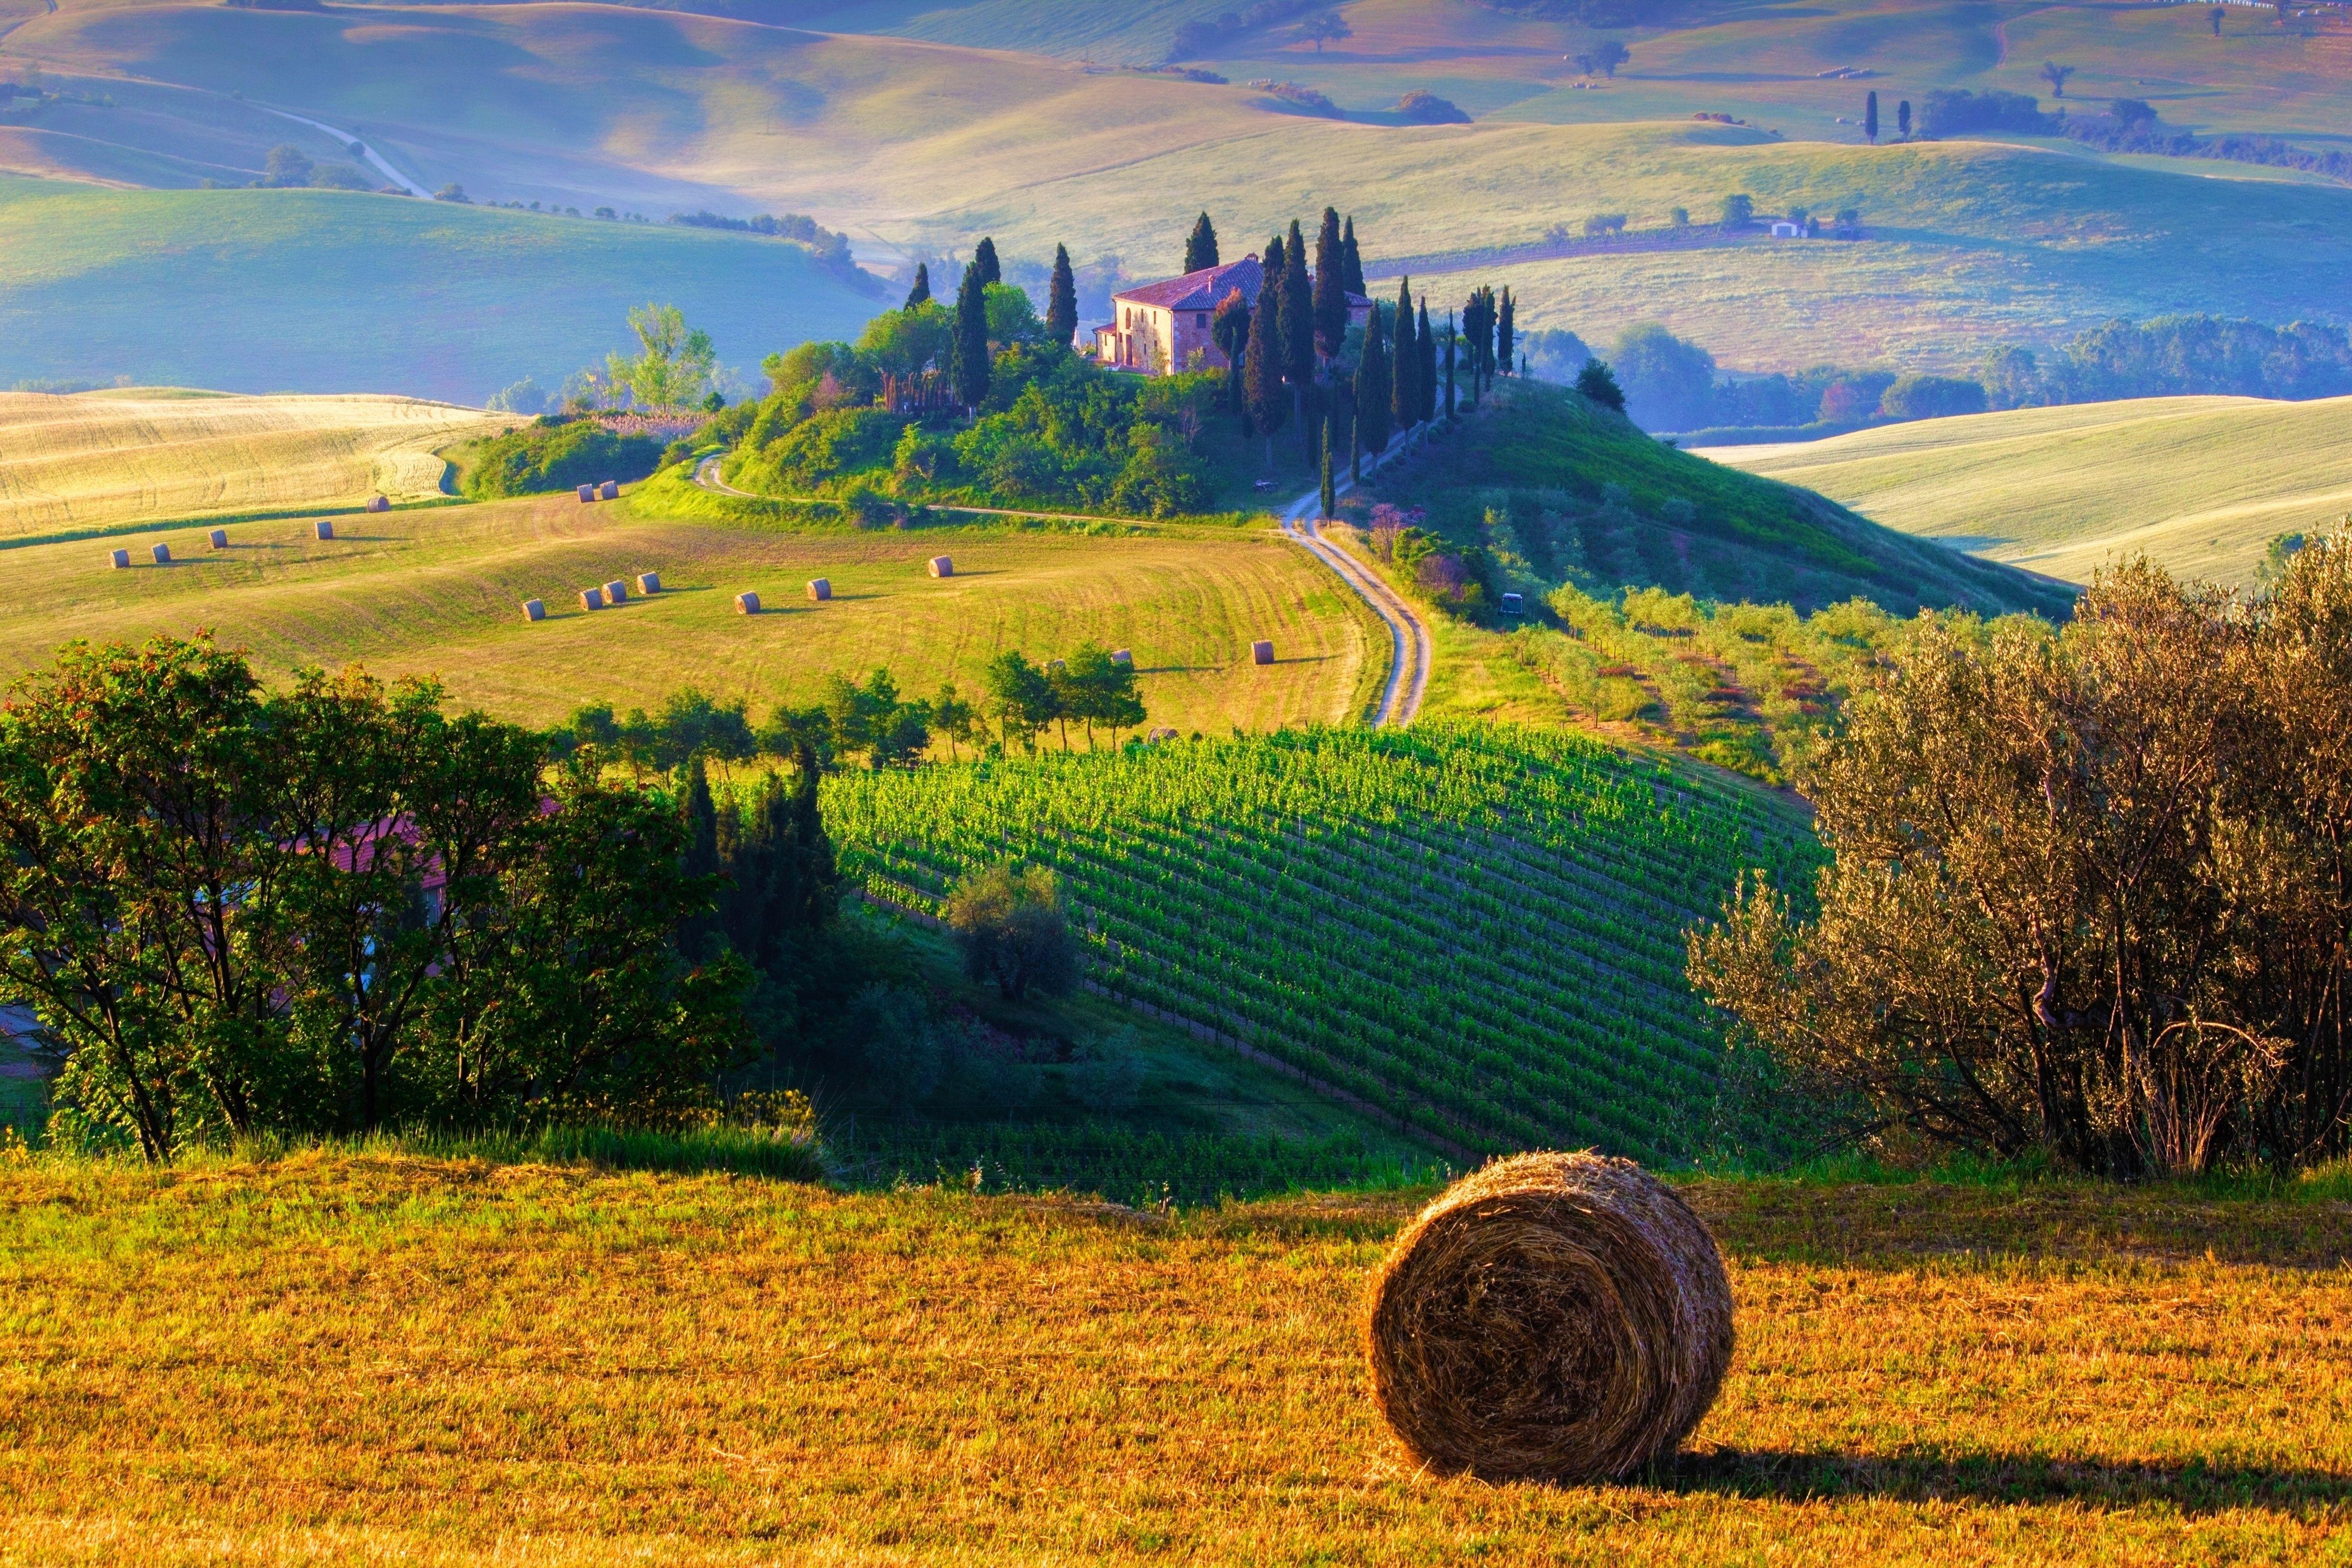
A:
{"x": 107, "y": 460}
{"x": 326, "y": 291}
{"x": 2201, "y": 485}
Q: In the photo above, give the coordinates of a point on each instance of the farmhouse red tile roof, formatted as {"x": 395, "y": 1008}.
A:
{"x": 1199, "y": 291}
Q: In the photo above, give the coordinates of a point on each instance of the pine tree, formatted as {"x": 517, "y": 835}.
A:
{"x": 983, "y": 256}
{"x": 1449, "y": 367}
{"x": 968, "y": 350}
{"x": 920, "y": 294}
{"x": 1374, "y": 389}
{"x": 1200, "y": 245}
{"x": 1351, "y": 271}
{"x": 1330, "y": 288}
{"x": 1329, "y": 496}
{"x": 1404, "y": 365}
{"x": 1870, "y": 119}
{"x": 1262, "y": 370}
{"x": 1426, "y": 341}
{"x": 1503, "y": 332}
{"x": 1297, "y": 320}
{"x": 1062, "y": 300}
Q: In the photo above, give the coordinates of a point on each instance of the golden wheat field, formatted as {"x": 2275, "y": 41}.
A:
{"x": 94, "y": 461}
{"x": 362, "y": 1358}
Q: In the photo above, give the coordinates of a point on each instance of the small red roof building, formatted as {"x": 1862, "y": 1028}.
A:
{"x": 1161, "y": 328}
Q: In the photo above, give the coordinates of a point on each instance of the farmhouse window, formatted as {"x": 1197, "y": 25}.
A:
{"x": 1201, "y": 318}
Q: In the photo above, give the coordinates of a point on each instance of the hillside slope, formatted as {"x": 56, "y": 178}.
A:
{"x": 100, "y": 460}
{"x": 327, "y": 292}
{"x": 2201, "y": 485}
{"x": 1567, "y": 491}
{"x": 1477, "y": 929}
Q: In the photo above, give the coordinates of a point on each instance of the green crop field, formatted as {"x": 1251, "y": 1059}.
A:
{"x": 329, "y": 292}
{"x": 2199, "y": 485}
{"x": 381, "y": 1358}
{"x": 105, "y": 459}
{"x": 1477, "y": 930}
{"x": 435, "y": 591}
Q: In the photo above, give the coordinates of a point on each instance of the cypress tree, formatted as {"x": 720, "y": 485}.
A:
{"x": 983, "y": 256}
{"x": 1426, "y": 381}
{"x": 1355, "y": 442}
{"x": 920, "y": 294}
{"x": 1262, "y": 371}
{"x": 1062, "y": 300}
{"x": 968, "y": 350}
{"x": 1404, "y": 365}
{"x": 1449, "y": 366}
{"x": 1330, "y": 288}
{"x": 1200, "y": 245}
{"x": 1297, "y": 319}
{"x": 1351, "y": 271}
{"x": 1231, "y": 328}
{"x": 1330, "y": 495}
{"x": 1372, "y": 389}
{"x": 1870, "y": 119}
{"x": 696, "y": 937}
{"x": 1503, "y": 332}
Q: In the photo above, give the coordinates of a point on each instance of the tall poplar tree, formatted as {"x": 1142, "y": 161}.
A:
{"x": 1449, "y": 366}
{"x": 1503, "y": 332}
{"x": 1330, "y": 288}
{"x": 1373, "y": 388}
{"x": 1404, "y": 365}
{"x": 920, "y": 294}
{"x": 983, "y": 256}
{"x": 1426, "y": 341}
{"x": 1269, "y": 406}
{"x": 1351, "y": 271}
{"x": 1200, "y": 245}
{"x": 1298, "y": 321}
{"x": 968, "y": 350}
{"x": 1062, "y": 300}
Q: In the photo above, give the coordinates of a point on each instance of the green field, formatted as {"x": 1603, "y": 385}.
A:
{"x": 378, "y": 1359}
{"x": 1477, "y": 930}
{"x": 326, "y": 292}
{"x": 435, "y": 591}
{"x": 2201, "y": 485}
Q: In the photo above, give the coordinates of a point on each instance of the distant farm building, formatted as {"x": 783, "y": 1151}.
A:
{"x": 1158, "y": 328}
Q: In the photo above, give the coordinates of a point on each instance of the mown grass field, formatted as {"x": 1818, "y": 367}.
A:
{"x": 324, "y": 291}
{"x": 437, "y": 591}
{"x": 2199, "y": 485}
{"x": 100, "y": 460}
{"x": 378, "y": 1358}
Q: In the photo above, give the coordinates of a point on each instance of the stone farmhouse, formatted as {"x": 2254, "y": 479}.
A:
{"x": 1156, "y": 329}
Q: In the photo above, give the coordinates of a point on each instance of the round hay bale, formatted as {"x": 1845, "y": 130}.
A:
{"x": 220, "y": 538}
{"x": 616, "y": 592}
{"x": 533, "y": 610}
{"x": 587, "y": 493}
{"x": 942, "y": 566}
{"x": 1554, "y": 1317}
{"x": 323, "y": 529}
{"x": 609, "y": 491}
{"x": 119, "y": 559}
{"x": 746, "y": 604}
{"x": 163, "y": 553}
{"x": 1261, "y": 653}
{"x": 379, "y": 503}
{"x": 820, "y": 589}
{"x": 591, "y": 599}
{"x": 648, "y": 581}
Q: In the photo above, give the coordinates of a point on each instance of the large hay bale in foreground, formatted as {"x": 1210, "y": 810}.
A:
{"x": 1554, "y": 1317}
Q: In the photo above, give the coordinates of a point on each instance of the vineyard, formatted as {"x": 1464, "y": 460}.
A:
{"x": 1474, "y": 930}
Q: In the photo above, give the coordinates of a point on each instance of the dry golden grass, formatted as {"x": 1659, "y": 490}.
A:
{"x": 437, "y": 591}
{"x": 364, "y": 1359}
{"x": 100, "y": 460}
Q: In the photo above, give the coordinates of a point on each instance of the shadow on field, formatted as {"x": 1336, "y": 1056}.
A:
{"x": 2193, "y": 1488}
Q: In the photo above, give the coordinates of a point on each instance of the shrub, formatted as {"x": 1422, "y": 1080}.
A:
{"x": 557, "y": 453}
{"x": 1931, "y": 397}
{"x": 1428, "y": 109}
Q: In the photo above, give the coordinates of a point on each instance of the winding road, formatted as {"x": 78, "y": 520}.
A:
{"x": 1408, "y": 648}
{"x": 367, "y": 148}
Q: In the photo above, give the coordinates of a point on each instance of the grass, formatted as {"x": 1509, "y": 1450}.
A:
{"x": 93, "y": 462}
{"x": 436, "y": 592}
{"x": 2201, "y": 485}
{"x": 327, "y": 292}
{"x": 377, "y": 1357}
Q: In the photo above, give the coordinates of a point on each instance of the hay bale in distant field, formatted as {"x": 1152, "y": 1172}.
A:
{"x": 1514, "y": 605}
{"x": 591, "y": 599}
{"x": 616, "y": 592}
{"x": 820, "y": 589}
{"x": 609, "y": 491}
{"x": 746, "y": 604}
{"x": 324, "y": 528}
{"x": 120, "y": 559}
{"x": 648, "y": 581}
{"x": 379, "y": 503}
{"x": 1122, "y": 655}
{"x": 220, "y": 538}
{"x": 1261, "y": 653}
{"x": 532, "y": 610}
{"x": 1554, "y": 1317}
{"x": 941, "y": 566}
{"x": 163, "y": 553}
{"x": 587, "y": 493}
